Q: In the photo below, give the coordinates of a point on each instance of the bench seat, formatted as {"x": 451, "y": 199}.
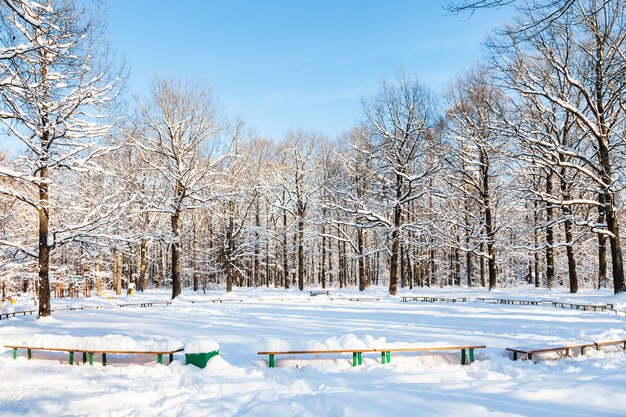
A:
{"x": 385, "y": 353}
{"x": 584, "y": 307}
{"x": 434, "y": 299}
{"x": 530, "y": 351}
{"x": 90, "y": 353}
{"x": 510, "y": 301}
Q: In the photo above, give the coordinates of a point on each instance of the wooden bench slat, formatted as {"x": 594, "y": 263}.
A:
{"x": 119, "y": 352}
{"x": 549, "y": 349}
{"x": 382, "y": 349}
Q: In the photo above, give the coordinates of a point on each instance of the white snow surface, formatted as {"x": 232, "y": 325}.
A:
{"x": 202, "y": 346}
{"x": 239, "y": 382}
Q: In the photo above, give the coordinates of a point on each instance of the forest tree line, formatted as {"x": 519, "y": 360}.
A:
{"x": 513, "y": 174}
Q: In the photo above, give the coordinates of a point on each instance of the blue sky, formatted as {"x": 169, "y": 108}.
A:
{"x": 294, "y": 64}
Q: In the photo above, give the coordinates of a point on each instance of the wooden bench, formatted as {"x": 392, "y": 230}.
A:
{"x": 529, "y": 352}
{"x": 510, "y": 301}
{"x": 145, "y": 304}
{"x": 90, "y": 353}
{"x": 320, "y": 292}
{"x": 14, "y": 313}
{"x": 467, "y": 353}
{"x": 434, "y": 299}
{"x": 621, "y": 343}
{"x": 584, "y": 307}
{"x": 354, "y": 299}
{"x": 216, "y": 300}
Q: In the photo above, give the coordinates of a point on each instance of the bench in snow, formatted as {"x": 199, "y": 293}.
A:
{"x": 434, "y": 299}
{"x": 584, "y": 307}
{"x": 319, "y": 292}
{"x": 621, "y": 343}
{"x": 14, "y": 313}
{"x": 145, "y": 304}
{"x": 528, "y": 352}
{"x": 510, "y": 301}
{"x": 217, "y": 300}
{"x": 354, "y": 299}
{"x": 467, "y": 353}
{"x": 88, "y": 346}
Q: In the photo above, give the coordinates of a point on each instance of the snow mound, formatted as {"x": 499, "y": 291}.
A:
{"x": 217, "y": 364}
{"x": 348, "y": 341}
{"x": 345, "y": 342}
{"x": 201, "y": 346}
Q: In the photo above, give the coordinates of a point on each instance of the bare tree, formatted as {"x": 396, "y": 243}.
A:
{"x": 401, "y": 119}
{"x": 179, "y": 130}
{"x": 60, "y": 93}
{"x": 576, "y": 64}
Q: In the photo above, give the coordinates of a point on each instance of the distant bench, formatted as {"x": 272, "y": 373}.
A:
{"x": 354, "y": 298}
{"x": 434, "y": 299}
{"x": 510, "y": 301}
{"x": 528, "y": 352}
{"x": 145, "y": 304}
{"x": 385, "y": 353}
{"x": 584, "y": 307}
{"x": 14, "y": 313}
{"x": 319, "y": 292}
{"x": 30, "y": 312}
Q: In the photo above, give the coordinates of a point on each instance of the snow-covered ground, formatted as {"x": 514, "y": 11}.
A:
{"x": 239, "y": 383}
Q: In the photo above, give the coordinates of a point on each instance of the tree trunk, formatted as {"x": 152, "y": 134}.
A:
{"x": 301, "y": 213}
{"x": 176, "y": 224}
{"x": 602, "y": 265}
{"x": 549, "y": 235}
{"x": 395, "y": 239}
{"x": 257, "y": 250}
{"x": 568, "y": 225}
{"x": 44, "y": 247}
{"x": 489, "y": 226}
{"x": 537, "y": 255}
{"x": 285, "y": 251}
{"x": 323, "y": 262}
{"x": 483, "y": 281}
{"x": 361, "y": 255}
{"x": 117, "y": 271}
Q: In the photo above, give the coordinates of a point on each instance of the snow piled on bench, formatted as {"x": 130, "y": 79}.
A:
{"x": 348, "y": 342}
{"x": 109, "y": 342}
{"x": 201, "y": 346}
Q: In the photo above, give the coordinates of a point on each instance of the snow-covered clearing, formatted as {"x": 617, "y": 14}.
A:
{"x": 239, "y": 383}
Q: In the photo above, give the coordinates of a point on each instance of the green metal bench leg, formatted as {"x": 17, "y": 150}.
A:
{"x": 171, "y": 357}
{"x": 71, "y": 358}
{"x": 29, "y": 353}
{"x": 514, "y": 356}
{"x": 383, "y": 357}
{"x": 91, "y": 358}
{"x": 530, "y": 356}
{"x": 14, "y": 353}
{"x": 272, "y": 362}
{"x": 463, "y": 357}
{"x": 582, "y": 350}
{"x": 471, "y": 355}
{"x": 84, "y": 357}
{"x": 354, "y": 359}
{"x": 160, "y": 359}
{"x": 388, "y": 357}
{"x": 104, "y": 359}
{"x": 359, "y": 356}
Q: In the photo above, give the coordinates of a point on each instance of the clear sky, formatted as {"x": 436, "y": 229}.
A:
{"x": 295, "y": 63}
